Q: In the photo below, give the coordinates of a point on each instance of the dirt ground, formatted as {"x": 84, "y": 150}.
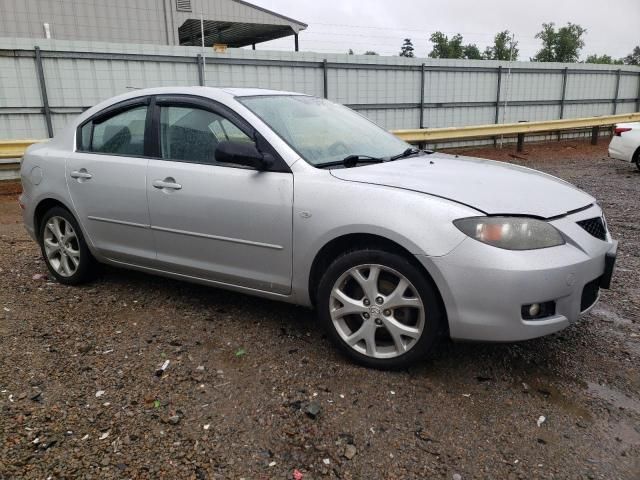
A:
{"x": 80, "y": 398}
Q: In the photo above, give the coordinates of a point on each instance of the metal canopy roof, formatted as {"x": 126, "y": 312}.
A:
{"x": 236, "y": 23}
{"x": 234, "y": 34}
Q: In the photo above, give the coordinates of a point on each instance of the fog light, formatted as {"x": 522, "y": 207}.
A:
{"x": 535, "y": 311}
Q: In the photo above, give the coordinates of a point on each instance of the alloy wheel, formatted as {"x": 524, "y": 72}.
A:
{"x": 377, "y": 311}
{"x": 61, "y": 246}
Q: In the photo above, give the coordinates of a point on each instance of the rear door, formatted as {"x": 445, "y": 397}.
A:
{"x": 106, "y": 177}
{"x": 221, "y": 222}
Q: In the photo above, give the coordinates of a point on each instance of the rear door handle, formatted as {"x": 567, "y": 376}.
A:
{"x": 82, "y": 173}
{"x": 168, "y": 183}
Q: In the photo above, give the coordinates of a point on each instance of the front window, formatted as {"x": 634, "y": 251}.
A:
{"x": 192, "y": 134}
{"x": 323, "y": 132}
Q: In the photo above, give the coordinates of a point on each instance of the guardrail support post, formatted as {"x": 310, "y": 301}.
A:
{"x": 520, "y": 145}
{"x": 595, "y": 133}
{"x": 200, "y": 64}
{"x": 325, "y": 85}
{"x": 615, "y": 98}
{"x": 43, "y": 92}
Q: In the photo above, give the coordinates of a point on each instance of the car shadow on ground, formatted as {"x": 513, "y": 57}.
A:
{"x": 481, "y": 361}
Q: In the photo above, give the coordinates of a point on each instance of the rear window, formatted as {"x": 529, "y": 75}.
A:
{"x": 120, "y": 134}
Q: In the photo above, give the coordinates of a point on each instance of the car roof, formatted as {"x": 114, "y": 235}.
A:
{"x": 206, "y": 91}
{"x": 253, "y": 92}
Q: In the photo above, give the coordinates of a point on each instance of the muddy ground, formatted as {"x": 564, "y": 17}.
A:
{"x": 79, "y": 397}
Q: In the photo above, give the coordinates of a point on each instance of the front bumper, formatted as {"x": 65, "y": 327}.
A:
{"x": 484, "y": 288}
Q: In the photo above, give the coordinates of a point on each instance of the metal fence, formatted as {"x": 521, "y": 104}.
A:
{"x": 44, "y": 83}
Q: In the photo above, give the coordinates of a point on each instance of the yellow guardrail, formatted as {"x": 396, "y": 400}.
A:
{"x": 15, "y": 148}
{"x": 430, "y": 135}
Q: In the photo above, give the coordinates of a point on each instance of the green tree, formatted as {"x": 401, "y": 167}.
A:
{"x": 503, "y": 48}
{"x": 407, "y": 48}
{"x": 445, "y": 47}
{"x": 633, "y": 58}
{"x": 603, "y": 59}
{"x": 350, "y": 52}
{"x": 471, "y": 52}
{"x": 561, "y": 45}
{"x": 371, "y": 52}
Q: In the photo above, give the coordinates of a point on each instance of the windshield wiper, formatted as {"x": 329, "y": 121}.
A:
{"x": 407, "y": 153}
{"x": 351, "y": 161}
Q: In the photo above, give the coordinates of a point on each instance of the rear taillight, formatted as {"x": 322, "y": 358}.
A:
{"x": 620, "y": 130}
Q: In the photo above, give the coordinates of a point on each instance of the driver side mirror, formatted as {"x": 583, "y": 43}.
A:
{"x": 243, "y": 153}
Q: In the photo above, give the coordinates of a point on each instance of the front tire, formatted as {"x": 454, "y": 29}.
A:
{"x": 379, "y": 309}
{"x": 64, "y": 249}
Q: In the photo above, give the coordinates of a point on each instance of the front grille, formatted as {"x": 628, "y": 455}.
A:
{"x": 595, "y": 227}
{"x": 590, "y": 294}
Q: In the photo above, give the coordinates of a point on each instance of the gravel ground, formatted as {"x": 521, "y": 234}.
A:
{"x": 253, "y": 389}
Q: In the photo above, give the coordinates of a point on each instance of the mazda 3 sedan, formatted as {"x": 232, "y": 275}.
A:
{"x": 295, "y": 198}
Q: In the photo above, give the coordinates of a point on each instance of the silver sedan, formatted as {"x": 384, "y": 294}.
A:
{"x": 295, "y": 198}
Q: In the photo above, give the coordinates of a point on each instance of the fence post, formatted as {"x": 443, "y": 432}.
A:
{"x": 565, "y": 74}
{"x": 615, "y": 98}
{"x": 422, "y": 96}
{"x": 43, "y": 92}
{"x": 200, "y": 65}
{"x": 324, "y": 77}
{"x": 638, "y": 96}
{"x": 497, "y": 113}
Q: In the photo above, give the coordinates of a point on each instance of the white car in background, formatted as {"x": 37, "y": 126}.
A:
{"x": 625, "y": 143}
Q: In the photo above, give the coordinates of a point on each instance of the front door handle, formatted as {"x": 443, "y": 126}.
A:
{"x": 81, "y": 174}
{"x": 168, "y": 183}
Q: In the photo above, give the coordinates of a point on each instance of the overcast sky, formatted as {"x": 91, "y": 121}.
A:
{"x": 337, "y": 25}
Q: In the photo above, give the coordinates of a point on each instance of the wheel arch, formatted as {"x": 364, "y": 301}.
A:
{"x": 362, "y": 241}
{"x": 43, "y": 206}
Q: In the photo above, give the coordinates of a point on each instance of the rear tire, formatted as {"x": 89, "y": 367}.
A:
{"x": 379, "y": 309}
{"x": 64, "y": 249}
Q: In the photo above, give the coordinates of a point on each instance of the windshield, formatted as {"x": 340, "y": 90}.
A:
{"x": 320, "y": 131}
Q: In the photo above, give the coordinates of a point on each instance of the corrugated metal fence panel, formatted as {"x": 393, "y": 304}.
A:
{"x": 451, "y": 117}
{"x": 529, "y": 113}
{"x": 301, "y": 79}
{"x": 585, "y": 86}
{"x": 587, "y": 110}
{"x": 629, "y": 86}
{"x": 21, "y": 125}
{"x": 357, "y": 86}
{"x": 19, "y": 83}
{"x": 626, "y": 108}
{"x": 531, "y": 86}
{"x": 394, "y": 118}
{"x": 87, "y": 82}
{"x": 384, "y": 88}
{"x": 460, "y": 86}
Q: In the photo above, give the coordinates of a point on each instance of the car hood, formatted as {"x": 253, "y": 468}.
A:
{"x": 492, "y": 187}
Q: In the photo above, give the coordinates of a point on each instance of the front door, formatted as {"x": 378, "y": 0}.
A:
{"x": 220, "y": 222}
{"x": 106, "y": 177}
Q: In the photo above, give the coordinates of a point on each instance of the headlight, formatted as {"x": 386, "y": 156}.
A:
{"x": 511, "y": 233}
